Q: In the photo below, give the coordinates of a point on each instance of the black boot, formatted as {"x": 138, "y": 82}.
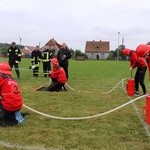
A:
{"x": 45, "y": 75}
{"x": 18, "y": 76}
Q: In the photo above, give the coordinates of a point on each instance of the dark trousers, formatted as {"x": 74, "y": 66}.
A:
{"x": 55, "y": 86}
{"x": 139, "y": 79}
{"x": 46, "y": 68}
{"x": 36, "y": 72}
{"x": 11, "y": 117}
{"x": 65, "y": 67}
{"x": 6, "y": 114}
{"x": 11, "y": 63}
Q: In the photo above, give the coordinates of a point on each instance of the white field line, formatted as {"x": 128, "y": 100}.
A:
{"x": 27, "y": 147}
{"x": 141, "y": 119}
{"x": 138, "y": 114}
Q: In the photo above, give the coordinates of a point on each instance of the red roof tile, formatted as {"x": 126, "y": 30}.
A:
{"x": 52, "y": 43}
{"x": 97, "y": 46}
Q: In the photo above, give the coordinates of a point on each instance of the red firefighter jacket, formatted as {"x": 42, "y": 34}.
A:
{"x": 148, "y": 62}
{"x": 59, "y": 74}
{"x": 10, "y": 92}
{"x": 136, "y": 61}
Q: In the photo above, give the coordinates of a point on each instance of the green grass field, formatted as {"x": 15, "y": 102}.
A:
{"x": 119, "y": 130}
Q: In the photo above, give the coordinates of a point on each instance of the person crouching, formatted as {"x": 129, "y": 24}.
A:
{"x": 57, "y": 76}
{"x": 11, "y": 100}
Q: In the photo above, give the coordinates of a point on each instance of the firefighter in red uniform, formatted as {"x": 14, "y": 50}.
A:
{"x": 11, "y": 100}
{"x": 143, "y": 50}
{"x": 58, "y": 77}
{"x": 140, "y": 63}
{"x": 147, "y": 57}
{"x": 35, "y": 61}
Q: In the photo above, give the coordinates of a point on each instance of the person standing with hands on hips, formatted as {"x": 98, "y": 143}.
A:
{"x": 63, "y": 55}
{"x": 14, "y": 55}
{"x": 141, "y": 65}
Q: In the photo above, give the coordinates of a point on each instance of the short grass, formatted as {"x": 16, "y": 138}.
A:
{"x": 120, "y": 130}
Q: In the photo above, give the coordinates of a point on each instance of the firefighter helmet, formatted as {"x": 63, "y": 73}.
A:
{"x": 55, "y": 61}
{"x": 142, "y": 50}
{"x": 5, "y": 68}
{"x": 126, "y": 51}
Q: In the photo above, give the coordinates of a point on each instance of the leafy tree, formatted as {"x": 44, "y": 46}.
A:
{"x": 4, "y": 47}
{"x": 4, "y": 51}
{"x": 113, "y": 54}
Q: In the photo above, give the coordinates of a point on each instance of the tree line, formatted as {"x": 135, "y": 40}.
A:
{"x": 113, "y": 54}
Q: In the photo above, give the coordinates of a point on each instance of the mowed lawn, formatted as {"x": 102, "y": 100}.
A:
{"x": 119, "y": 130}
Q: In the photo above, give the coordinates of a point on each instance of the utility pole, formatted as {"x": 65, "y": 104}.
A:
{"x": 20, "y": 40}
{"x": 123, "y": 40}
{"x": 118, "y": 46}
{"x": 39, "y": 44}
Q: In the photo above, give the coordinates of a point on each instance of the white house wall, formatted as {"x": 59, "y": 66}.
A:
{"x": 94, "y": 55}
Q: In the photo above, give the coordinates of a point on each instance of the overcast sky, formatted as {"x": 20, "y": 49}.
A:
{"x": 75, "y": 22}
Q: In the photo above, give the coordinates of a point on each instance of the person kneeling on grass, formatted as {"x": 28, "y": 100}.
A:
{"x": 58, "y": 77}
{"x": 11, "y": 100}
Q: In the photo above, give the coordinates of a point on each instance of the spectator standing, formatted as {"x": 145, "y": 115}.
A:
{"x": 63, "y": 55}
{"x": 14, "y": 55}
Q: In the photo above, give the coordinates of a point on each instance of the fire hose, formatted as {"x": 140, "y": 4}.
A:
{"x": 86, "y": 117}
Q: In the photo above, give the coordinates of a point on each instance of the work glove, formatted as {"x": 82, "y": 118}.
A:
{"x": 63, "y": 57}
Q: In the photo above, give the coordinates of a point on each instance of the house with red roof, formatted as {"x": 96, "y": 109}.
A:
{"x": 97, "y": 49}
{"x": 51, "y": 44}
